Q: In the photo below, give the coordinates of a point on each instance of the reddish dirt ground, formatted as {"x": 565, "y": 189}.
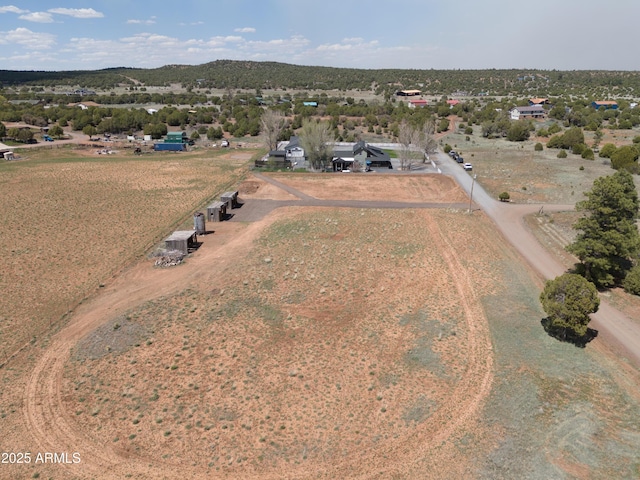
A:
{"x": 348, "y": 303}
{"x": 49, "y": 417}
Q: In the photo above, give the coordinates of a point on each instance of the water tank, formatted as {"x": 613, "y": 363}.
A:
{"x": 199, "y": 223}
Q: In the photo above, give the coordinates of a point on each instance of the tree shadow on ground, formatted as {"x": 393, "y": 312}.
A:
{"x": 566, "y": 335}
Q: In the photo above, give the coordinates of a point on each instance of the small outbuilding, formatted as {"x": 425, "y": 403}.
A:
{"x": 176, "y": 137}
{"x": 181, "y": 240}
{"x": 231, "y": 199}
{"x": 217, "y": 211}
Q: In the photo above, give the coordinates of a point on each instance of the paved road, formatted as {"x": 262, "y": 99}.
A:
{"x": 613, "y": 326}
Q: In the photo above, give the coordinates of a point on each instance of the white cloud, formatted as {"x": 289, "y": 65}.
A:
{"x": 221, "y": 41}
{"x": 27, "y": 38}
{"x": 150, "y": 21}
{"x": 12, "y": 9}
{"x": 37, "y": 17}
{"x": 245, "y": 30}
{"x": 77, "y": 12}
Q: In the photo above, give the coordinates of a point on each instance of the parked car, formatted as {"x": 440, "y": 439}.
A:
{"x": 224, "y": 143}
{"x": 468, "y": 166}
{"x": 47, "y": 138}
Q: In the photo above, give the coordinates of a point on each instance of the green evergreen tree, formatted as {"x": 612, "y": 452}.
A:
{"x": 608, "y": 237}
{"x": 568, "y": 300}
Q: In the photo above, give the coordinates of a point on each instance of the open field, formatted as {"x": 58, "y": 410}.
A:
{"x": 373, "y": 186}
{"x": 327, "y": 343}
{"x": 316, "y": 342}
{"x": 530, "y": 176}
{"x": 73, "y": 219}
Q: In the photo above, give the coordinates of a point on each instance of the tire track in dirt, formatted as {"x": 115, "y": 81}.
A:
{"x": 476, "y": 385}
{"x": 50, "y": 425}
{"x": 53, "y": 427}
{"x": 466, "y": 400}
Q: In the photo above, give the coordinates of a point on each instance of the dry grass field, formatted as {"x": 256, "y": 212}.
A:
{"x": 72, "y": 219}
{"x": 530, "y": 176}
{"x": 315, "y": 343}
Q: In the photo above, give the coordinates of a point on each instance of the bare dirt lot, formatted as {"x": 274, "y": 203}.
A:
{"x": 374, "y": 186}
{"x": 327, "y": 343}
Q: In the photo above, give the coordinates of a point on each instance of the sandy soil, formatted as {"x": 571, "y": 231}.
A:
{"x": 328, "y": 273}
{"x": 53, "y": 425}
{"x": 369, "y": 186}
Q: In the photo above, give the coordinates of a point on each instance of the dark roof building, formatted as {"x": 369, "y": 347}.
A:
{"x": 367, "y": 156}
{"x": 408, "y": 93}
{"x": 607, "y": 104}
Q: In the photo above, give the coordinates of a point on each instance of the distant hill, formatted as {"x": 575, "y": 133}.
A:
{"x": 267, "y": 75}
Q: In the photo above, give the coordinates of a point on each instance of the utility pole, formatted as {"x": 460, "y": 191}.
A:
{"x": 473, "y": 181}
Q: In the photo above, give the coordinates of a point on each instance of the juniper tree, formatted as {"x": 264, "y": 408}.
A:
{"x": 568, "y": 300}
{"x": 608, "y": 237}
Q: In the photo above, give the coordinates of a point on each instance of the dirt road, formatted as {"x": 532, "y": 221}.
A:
{"x": 52, "y": 427}
{"x": 613, "y": 326}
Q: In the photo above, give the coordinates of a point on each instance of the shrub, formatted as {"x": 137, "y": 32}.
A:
{"x": 588, "y": 154}
{"x": 631, "y": 282}
{"x": 568, "y": 139}
{"x": 504, "y": 197}
{"x": 538, "y": 147}
{"x": 562, "y": 154}
{"x": 625, "y": 157}
{"x": 554, "y": 128}
{"x": 607, "y": 150}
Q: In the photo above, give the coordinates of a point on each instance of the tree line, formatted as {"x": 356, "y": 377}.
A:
{"x": 273, "y": 75}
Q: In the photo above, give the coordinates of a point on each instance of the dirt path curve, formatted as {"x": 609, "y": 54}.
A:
{"x": 613, "y": 326}
{"x": 53, "y": 427}
{"x": 47, "y": 420}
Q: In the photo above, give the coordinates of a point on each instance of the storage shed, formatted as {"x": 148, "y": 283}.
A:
{"x": 181, "y": 240}
{"x": 216, "y": 211}
{"x": 176, "y": 137}
{"x": 230, "y": 198}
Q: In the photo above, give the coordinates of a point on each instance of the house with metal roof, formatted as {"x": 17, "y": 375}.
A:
{"x": 176, "y": 137}
{"x": 287, "y": 154}
{"x": 361, "y": 153}
{"x": 408, "y": 93}
{"x": 419, "y": 102}
{"x": 607, "y": 104}
{"x": 532, "y": 111}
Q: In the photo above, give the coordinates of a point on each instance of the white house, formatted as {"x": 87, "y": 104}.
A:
{"x": 533, "y": 111}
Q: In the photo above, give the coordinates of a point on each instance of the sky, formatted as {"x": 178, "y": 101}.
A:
{"x": 58, "y": 35}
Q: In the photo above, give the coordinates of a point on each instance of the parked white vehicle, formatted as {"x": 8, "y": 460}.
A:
{"x": 468, "y": 166}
